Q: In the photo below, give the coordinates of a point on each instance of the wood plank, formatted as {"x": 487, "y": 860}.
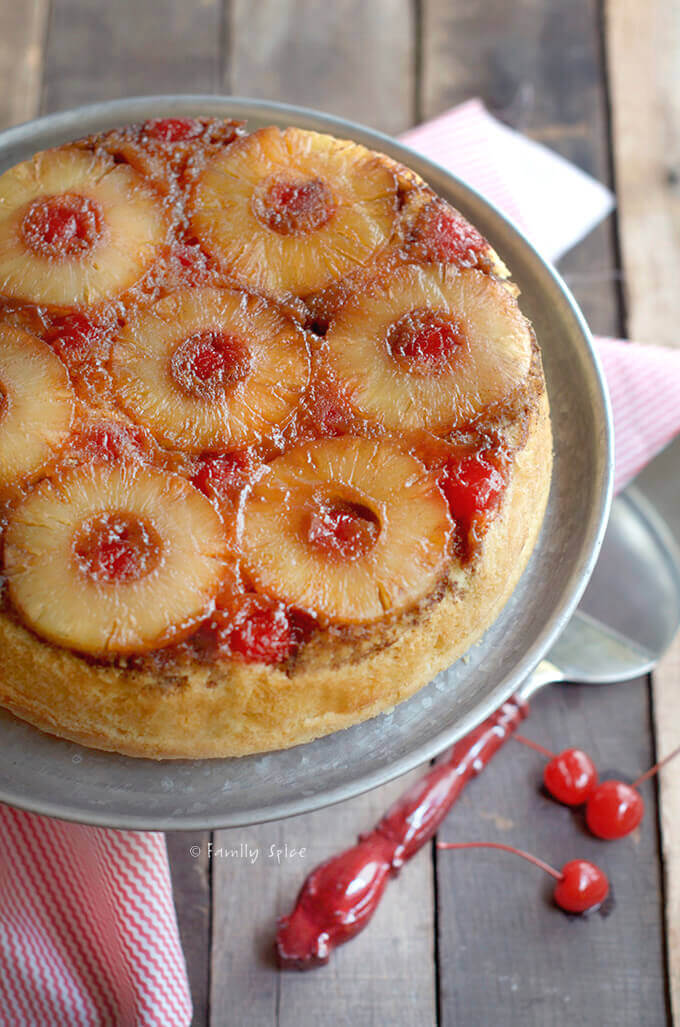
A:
{"x": 354, "y": 60}
{"x": 102, "y": 51}
{"x": 667, "y": 718}
{"x": 644, "y": 70}
{"x": 349, "y": 58}
{"x": 501, "y": 944}
{"x": 659, "y": 481}
{"x": 508, "y": 55}
{"x": 384, "y": 976}
{"x": 189, "y": 856}
{"x": 21, "y": 54}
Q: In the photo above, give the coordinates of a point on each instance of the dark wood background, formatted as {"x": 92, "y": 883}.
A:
{"x": 465, "y": 939}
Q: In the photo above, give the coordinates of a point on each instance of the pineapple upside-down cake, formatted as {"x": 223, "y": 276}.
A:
{"x": 274, "y": 437}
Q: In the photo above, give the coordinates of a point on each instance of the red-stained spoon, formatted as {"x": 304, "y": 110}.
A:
{"x": 339, "y": 897}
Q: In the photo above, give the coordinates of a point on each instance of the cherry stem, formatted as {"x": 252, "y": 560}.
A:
{"x": 504, "y": 848}
{"x": 656, "y": 768}
{"x": 534, "y": 745}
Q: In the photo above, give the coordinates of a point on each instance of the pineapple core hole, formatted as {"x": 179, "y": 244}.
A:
{"x": 68, "y": 225}
{"x": 342, "y": 529}
{"x": 293, "y": 204}
{"x": 208, "y": 363}
{"x": 425, "y": 341}
{"x": 116, "y": 547}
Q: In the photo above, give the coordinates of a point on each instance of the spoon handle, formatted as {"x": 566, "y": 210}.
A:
{"x": 340, "y": 896}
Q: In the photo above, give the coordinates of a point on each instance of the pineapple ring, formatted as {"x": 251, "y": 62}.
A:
{"x": 358, "y": 189}
{"x": 272, "y": 372}
{"x": 131, "y": 230}
{"x": 37, "y": 404}
{"x": 64, "y": 604}
{"x": 394, "y": 567}
{"x": 492, "y": 359}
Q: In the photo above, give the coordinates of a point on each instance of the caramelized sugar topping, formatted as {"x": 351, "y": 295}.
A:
{"x": 117, "y": 547}
{"x": 336, "y": 523}
{"x": 75, "y": 336}
{"x": 342, "y": 529}
{"x": 440, "y": 233}
{"x": 222, "y": 477}
{"x": 425, "y": 341}
{"x": 172, "y": 130}
{"x": 107, "y": 442}
{"x": 206, "y": 364}
{"x": 292, "y": 206}
{"x": 68, "y": 225}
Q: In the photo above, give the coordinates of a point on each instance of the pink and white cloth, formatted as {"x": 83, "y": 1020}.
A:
{"x": 88, "y": 933}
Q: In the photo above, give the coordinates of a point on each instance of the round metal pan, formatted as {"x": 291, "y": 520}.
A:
{"x": 47, "y": 775}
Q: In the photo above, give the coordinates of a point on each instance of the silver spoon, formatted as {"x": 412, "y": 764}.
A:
{"x": 630, "y": 611}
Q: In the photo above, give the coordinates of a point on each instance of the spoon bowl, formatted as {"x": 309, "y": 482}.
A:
{"x": 630, "y": 610}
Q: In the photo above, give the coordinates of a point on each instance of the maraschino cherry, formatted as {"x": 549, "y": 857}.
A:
{"x": 581, "y": 885}
{"x": 615, "y": 808}
{"x": 570, "y": 776}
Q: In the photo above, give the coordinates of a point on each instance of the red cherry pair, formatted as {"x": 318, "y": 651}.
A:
{"x": 613, "y": 808}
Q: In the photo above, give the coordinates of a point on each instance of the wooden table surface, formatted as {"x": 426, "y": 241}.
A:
{"x": 461, "y": 939}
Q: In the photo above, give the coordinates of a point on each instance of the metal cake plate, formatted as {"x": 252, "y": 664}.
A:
{"x": 51, "y": 776}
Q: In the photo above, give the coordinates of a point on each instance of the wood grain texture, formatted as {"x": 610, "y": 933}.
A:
{"x": 644, "y": 69}
{"x": 101, "y": 51}
{"x": 665, "y": 681}
{"x": 384, "y": 976}
{"x": 537, "y": 66}
{"x": 21, "y": 55}
{"x": 350, "y": 58}
{"x": 190, "y": 868}
{"x": 659, "y": 481}
{"x": 502, "y": 946}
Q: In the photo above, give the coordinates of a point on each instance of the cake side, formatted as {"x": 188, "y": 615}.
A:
{"x": 235, "y": 709}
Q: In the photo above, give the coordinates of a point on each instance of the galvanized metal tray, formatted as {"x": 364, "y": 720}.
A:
{"x": 47, "y": 775}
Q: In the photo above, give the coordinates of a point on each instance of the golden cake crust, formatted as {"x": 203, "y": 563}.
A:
{"x": 232, "y": 709}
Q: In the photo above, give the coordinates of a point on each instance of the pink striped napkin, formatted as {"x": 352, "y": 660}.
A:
{"x": 88, "y": 934}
